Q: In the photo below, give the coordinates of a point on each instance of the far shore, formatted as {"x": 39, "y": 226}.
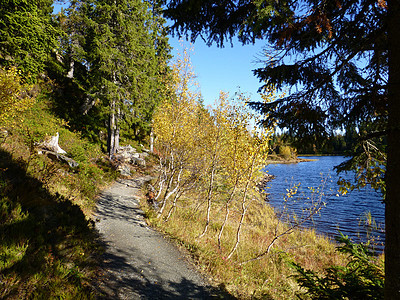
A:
{"x": 280, "y": 160}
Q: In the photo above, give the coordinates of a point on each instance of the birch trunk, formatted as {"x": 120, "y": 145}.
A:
{"x": 244, "y": 207}
{"x": 209, "y": 196}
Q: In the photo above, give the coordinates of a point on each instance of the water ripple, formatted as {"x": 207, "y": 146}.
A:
{"x": 359, "y": 214}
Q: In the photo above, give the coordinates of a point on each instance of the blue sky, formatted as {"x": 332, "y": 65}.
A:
{"x": 224, "y": 69}
{"x": 221, "y": 69}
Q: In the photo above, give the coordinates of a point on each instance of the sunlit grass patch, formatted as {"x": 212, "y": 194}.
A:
{"x": 269, "y": 277}
{"x": 48, "y": 245}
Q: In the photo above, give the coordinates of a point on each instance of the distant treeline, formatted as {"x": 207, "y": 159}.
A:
{"x": 339, "y": 143}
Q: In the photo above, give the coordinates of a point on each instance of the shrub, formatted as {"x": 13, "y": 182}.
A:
{"x": 13, "y": 95}
{"x": 287, "y": 152}
{"x": 361, "y": 278}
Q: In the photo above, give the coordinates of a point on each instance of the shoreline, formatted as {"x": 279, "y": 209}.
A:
{"x": 278, "y": 160}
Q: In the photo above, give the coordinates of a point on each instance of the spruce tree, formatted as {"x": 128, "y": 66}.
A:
{"x": 27, "y": 35}
{"x": 118, "y": 43}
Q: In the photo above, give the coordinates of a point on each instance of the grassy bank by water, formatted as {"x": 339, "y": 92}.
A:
{"x": 270, "y": 161}
{"x": 207, "y": 196}
{"x": 269, "y": 277}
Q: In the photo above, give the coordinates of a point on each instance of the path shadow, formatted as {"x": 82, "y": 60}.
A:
{"x": 130, "y": 273}
{"x": 125, "y": 281}
{"x": 109, "y": 205}
{"x": 53, "y": 231}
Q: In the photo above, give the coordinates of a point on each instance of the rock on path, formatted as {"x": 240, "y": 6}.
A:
{"x": 138, "y": 262}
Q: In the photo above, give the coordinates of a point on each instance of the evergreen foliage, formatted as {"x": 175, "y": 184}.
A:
{"x": 27, "y": 35}
{"x": 361, "y": 278}
{"x": 116, "y": 57}
{"x": 332, "y": 55}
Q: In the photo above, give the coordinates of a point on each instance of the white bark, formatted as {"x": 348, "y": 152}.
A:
{"x": 52, "y": 145}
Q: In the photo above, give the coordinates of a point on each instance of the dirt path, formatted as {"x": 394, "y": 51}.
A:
{"x": 138, "y": 262}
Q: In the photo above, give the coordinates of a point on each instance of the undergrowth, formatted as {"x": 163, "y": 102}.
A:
{"x": 361, "y": 278}
{"x": 48, "y": 245}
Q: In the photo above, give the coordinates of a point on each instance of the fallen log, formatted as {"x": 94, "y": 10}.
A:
{"x": 60, "y": 157}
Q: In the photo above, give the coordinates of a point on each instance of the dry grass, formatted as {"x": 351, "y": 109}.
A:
{"x": 268, "y": 277}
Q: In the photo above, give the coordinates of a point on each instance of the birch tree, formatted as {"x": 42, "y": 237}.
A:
{"x": 177, "y": 127}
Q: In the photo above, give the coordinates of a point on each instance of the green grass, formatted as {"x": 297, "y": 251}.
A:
{"x": 48, "y": 245}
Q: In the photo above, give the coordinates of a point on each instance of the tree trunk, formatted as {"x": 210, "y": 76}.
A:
{"x": 71, "y": 69}
{"x": 392, "y": 209}
{"x": 164, "y": 202}
{"x": 244, "y": 206}
{"x": 162, "y": 178}
{"x": 116, "y": 137}
{"x": 237, "y": 176}
{"x": 111, "y": 131}
{"x": 227, "y": 211}
{"x": 151, "y": 141}
{"x": 209, "y": 198}
{"x": 177, "y": 196}
{"x": 241, "y": 221}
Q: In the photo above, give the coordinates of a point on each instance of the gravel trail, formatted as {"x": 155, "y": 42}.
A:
{"x": 139, "y": 263}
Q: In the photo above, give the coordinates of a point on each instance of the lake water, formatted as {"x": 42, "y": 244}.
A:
{"x": 346, "y": 213}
